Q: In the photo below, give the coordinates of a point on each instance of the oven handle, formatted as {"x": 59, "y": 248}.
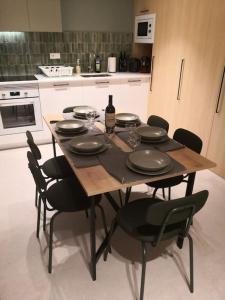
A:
{"x": 16, "y": 103}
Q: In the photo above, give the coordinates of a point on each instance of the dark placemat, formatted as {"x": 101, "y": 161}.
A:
{"x": 166, "y": 146}
{"x": 121, "y": 172}
{"x": 84, "y": 161}
{"x": 68, "y": 136}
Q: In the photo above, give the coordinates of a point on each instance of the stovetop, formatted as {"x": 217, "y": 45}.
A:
{"x": 17, "y": 78}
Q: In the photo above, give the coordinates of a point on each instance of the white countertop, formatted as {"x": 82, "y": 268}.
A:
{"x": 42, "y": 78}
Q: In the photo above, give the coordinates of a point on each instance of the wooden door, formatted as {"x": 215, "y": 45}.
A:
{"x": 197, "y": 95}
{"x": 216, "y": 147}
{"x": 167, "y": 55}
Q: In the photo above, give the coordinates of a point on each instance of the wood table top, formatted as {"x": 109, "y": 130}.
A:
{"x": 96, "y": 180}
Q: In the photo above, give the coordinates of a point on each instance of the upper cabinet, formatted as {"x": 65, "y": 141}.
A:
{"x": 30, "y": 15}
{"x": 44, "y": 15}
{"x": 13, "y": 15}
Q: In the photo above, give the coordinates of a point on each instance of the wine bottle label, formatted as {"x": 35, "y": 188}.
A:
{"x": 110, "y": 120}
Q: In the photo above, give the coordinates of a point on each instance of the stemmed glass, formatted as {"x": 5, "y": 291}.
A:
{"x": 134, "y": 138}
{"x": 91, "y": 118}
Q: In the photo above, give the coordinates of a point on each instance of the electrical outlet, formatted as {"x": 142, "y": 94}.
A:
{"x": 54, "y": 55}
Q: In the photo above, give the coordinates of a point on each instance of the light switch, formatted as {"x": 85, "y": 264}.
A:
{"x": 54, "y": 55}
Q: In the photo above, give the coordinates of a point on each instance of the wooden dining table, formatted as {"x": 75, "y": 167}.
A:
{"x": 96, "y": 180}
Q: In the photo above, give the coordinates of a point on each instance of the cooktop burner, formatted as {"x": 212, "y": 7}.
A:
{"x": 17, "y": 78}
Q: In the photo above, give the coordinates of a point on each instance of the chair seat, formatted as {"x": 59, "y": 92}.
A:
{"x": 165, "y": 183}
{"x": 132, "y": 219}
{"x": 57, "y": 167}
{"x": 68, "y": 195}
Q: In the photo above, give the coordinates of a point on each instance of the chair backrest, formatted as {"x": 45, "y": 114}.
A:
{"x": 189, "y": 139}
{"x": 68, "y": 109}
{"x": 174, "y": 217}
{"x": 36, "y": 172}
{"x": 33, "y": 147}
{"x": 158, "y": 122}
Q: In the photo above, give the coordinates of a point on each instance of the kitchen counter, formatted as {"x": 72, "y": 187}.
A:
{"x": 78, "y": 78}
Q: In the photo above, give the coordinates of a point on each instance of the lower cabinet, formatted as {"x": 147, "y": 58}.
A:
{"x": 129, "y": 95}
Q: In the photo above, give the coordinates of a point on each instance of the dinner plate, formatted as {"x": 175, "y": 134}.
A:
{"x": 69, "y": 133}
{"x": 159, "y": 141}
{"x": 83, "y": 117}
{"x": 149, "y": 160}
{"x": 86, "y": 144}
{"x": 126, "y": 117}
{"x": 102, "y": 149}
{"x": 150, "y": 173}
{"x": 83, "y": 110}
{"x": 151, "y": 132}
{"x": 69, "y": 125}
{"x": 125, "y": 124}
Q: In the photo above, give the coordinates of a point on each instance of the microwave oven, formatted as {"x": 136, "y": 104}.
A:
{"x": 144, "y": 30}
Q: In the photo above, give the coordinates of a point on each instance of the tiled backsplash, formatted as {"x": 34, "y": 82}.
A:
{"x": 22, "y": 52}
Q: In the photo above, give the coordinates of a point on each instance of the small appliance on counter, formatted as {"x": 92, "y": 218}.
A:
{"x": 145, "y": 64}
{"x": 123, "y": 62}
{"x": 134, "y": 65}
{"x": 55, "y": 71}
{"x": 111, "y": 64}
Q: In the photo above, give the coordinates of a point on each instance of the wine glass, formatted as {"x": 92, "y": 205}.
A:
{"x": 91, "y": 118}
{"x": 134, "y": 138}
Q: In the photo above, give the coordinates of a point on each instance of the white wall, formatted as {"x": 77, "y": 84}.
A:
{"x": 97, "y": 15}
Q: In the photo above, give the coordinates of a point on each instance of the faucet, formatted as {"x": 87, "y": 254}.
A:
{"x": 91, "y": 62}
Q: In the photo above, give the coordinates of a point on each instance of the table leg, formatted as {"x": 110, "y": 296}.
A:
{"x": 92, "y": 239}
{"x": 53, "y": 145}
{"x": 190, "y": 184}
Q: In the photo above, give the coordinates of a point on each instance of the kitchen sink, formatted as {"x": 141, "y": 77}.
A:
{"x": 95, "y": 75}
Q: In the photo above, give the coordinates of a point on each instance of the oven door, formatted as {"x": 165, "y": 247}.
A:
{"x": 20, "y": 115}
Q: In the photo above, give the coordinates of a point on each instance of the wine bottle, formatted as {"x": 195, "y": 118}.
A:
{"x": 97, "y": 64}
{"x": 110, "y": 116}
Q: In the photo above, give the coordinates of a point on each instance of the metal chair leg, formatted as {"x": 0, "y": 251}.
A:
{"x": 127, "y": 196}
{"x": 38, "y": 216}
{"x": 86, "y": 213}
{"x": 111, "y": 231}
{"x": 44, "y": 217}
{"x": 163, "y": 191}
{"x": 154, "y": 193}
{"x": 143, "y": 270}
{"x": 36, "y": 197}
{"x": 120, "y": 197}
{"x": 169, "y": 193}
{"x": 191, "y": 287}
{"x": 51, "y": 241}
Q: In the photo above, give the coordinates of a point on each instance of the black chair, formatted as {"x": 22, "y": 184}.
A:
{"x": 158, "y": 122}
{"x": 66, "y": 195}
{"x": 151, "y": 220}
{"x": 54, "y": 168}
{"x": 190, "y": 140}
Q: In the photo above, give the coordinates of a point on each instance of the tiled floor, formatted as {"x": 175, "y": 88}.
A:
{"x": 23, "y": 259}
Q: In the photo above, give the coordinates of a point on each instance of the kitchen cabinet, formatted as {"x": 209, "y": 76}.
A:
{"x": 44, "y": 15}
{"x": 30, "y": 15}
{"x": 184, "y": 65}
{"x": 216, "y": 147}
{"x": 13, "y": 15}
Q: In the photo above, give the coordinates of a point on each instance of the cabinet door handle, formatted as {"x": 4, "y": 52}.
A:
{"x": 220, "y": 92}
{"x": 180, "y": 79}
{"x": 102, "y": 82}
{"x": 144, "y": 11}
{"x": 152, "y": 70}
{"x": 134, "y": 80}
{"x": 60, "y": 84}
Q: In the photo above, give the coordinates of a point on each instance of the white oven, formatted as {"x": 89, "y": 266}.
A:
{"x": 144, "y": 30}
{"x": 20, "y": 108}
